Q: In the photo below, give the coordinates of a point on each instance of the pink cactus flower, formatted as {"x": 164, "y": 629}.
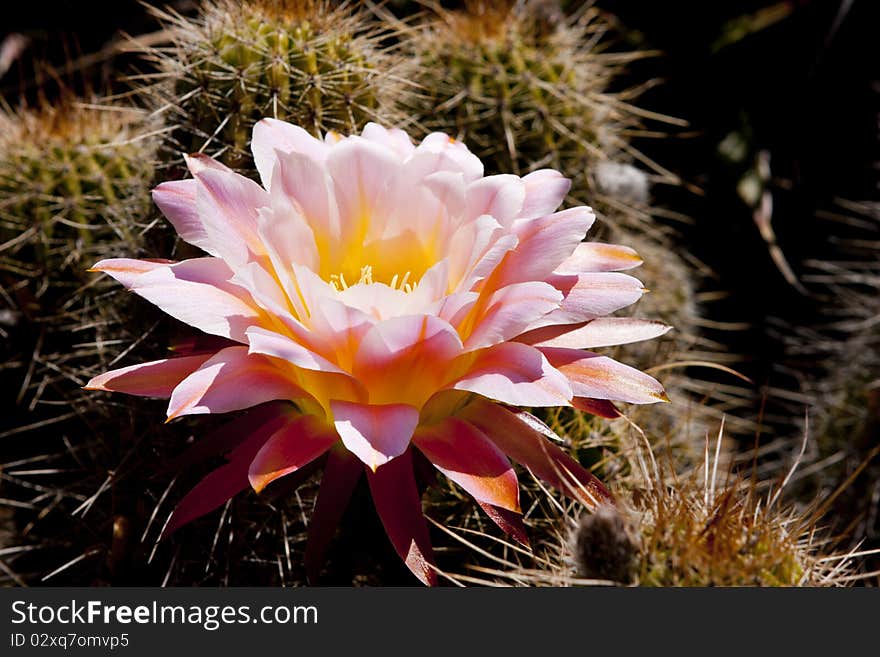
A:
{"x": 381, "y": 302}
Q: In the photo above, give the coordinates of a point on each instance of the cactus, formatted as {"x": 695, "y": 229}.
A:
{"x": 309, "y": 62}
{"x": 74, "y": 184}
{"x": 837, "y": 363}
{"x": 72, "y": 180}
{"x": 703, "y": 528}
{"x": 524, "y": 86}
{"x": 74, "y": 188}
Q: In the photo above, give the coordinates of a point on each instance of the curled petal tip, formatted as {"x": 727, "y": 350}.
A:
{"x": 258, "y": 483}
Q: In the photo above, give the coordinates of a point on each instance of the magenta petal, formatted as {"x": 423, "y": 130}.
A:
{"x": 510, "y": 522}
{"x": 600, "y": 407}
{"x": 266, "y": 418}
{"x": 289, "y": 449}
{"x": 399, "y": 506}
{"x": 526, "y": 446}
{"x": 225, "y": 482}
{"x": 217, "y": 488}
{"x": 154, "y": 379}
{"x": 341, "y": 474}
{"x": 462, "y": 453}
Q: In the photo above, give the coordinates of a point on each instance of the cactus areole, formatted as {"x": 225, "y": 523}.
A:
{"x": 379, "y": 302}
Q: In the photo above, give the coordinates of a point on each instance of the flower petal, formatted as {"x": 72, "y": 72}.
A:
{"x": 226, "y": 481}
{"x": 452, "y": 151}
{"x": 231, "y": 437}
{"x": 376, "y": 434}
{"x": 510, "y": 311}
{"x": 406, "y": 359}
{"x": 157, "y": 378}
{"x": 289, "y": 449}
{"x": 270, "y": 343}
{"x": 462, "y": 453}
{"x": 601, "y": 332}
{"x": 398, "y": 504}
{"x": 231, "y": 380}
{"x": 299, "y": 179}
{"x": 500, "y": 196}
{"x": 510, "y": 522}
{"x": 359, "y": 169}
{"x": 596, "y": 256}
{"x": 516, "y": 374}
{"x": 177, "y": 201}
{"x": 475, "y": 249}
{"x": 341, "y": 474}
{"x": 544, "y": 243}
{"x": 545, "y": 191}
{"x": 528, "y": 447}
{"x": 228, "y": 205}
{"x": 600, "y": 407}
{"x": 271, "y": 135}
{"x": 591, "y": 295}
{"x": 600, "y": 377}
{"x": 197, "y": 292}
{"x": 395, "y": 139}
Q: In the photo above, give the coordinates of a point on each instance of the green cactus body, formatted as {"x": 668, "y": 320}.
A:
{"x": 521, "y": 86}
{"x": 309, "y": 63}
{"x": 73, "y": 183}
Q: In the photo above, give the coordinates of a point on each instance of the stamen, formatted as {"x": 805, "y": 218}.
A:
{"x": 366, "y": 277}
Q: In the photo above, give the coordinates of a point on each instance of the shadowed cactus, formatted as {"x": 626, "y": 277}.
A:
{"x": 837, "y": 363}
{"x": 319, "y": 64}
